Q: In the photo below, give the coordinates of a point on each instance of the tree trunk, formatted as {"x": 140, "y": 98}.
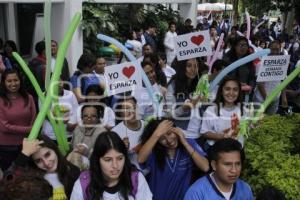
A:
{"x": 235, "y": 11}
{"x": 290, "y": 21}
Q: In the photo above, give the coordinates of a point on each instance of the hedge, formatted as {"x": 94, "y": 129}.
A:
{"x": 272, "y": 155}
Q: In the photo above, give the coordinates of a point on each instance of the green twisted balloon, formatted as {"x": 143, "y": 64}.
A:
{"x": 56, "y": 75}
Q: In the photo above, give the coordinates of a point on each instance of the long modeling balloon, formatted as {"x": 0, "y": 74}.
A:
{"x": 57, "y": 71}
{"x": 237, "y": 64}
{"x": 248, "y": 25}
{"x": 36, "y": 86}
{"x": 275, "y": 92}
{"x": 217, "y": 51}
{"x": 257, "y": 26}
{"x": 132, "y": 58}
{"x": 47, "y": 31}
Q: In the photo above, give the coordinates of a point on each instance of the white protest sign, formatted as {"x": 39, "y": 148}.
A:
{"x": 193, "y": 45}
{"x": 123, "y": 77}
{"x": 273, "y": 68}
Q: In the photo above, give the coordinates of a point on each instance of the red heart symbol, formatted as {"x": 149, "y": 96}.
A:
{"x": 197, "y": 39}
{"x": 128, "y": 71}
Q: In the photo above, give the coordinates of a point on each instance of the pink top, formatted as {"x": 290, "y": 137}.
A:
{"x": 16, "y": 120}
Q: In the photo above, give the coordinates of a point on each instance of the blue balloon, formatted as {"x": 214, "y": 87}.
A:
{"x": 237, "y": 64}
{"x": 128, "y": 46}
{"x": 129, "y": 55}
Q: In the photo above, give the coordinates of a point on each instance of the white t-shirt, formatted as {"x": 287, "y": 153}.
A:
{"x": 144, "y": 101}
{"x": 137, "y": 47}
{"x": 269, "y": 87}
{"x": 68, "y": 103}
{"x": 133, "y": 135}
{"x": 143, "y": 192}
{"x": 52, "y": 178}
{"x": 109, "y": 117}
{"x": 134, "y": 139}
{"x": 217, "y": 124}
{"x": 169, "y": 72}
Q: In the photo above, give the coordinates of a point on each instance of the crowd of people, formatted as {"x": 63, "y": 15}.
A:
{"x": 120, "y": 148}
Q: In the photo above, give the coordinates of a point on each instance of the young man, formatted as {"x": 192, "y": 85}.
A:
{"x": 169, "y": 43}
{"x": 226, "y": 157}
{"x": 150, "y": 36}
{"x": 65, "y": 73}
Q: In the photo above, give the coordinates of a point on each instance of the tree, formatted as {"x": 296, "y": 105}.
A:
{"x": 116, "y": 20}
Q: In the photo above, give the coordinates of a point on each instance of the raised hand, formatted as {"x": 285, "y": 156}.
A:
{"x": 31, "y": 146}
{"x": 180, "y": 135}
{"x": 164, "y": 127}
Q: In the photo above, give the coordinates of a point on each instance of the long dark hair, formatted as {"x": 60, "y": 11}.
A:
{"x": 105, "y": 142}
{"x": 182, "y": 85}
{"x": 159, "y": 150}
{"x": 220, "y": 99}
{"x": 160, "y": 75}
{"x": 3, "y": 89}
{"x": 67, "y": 172}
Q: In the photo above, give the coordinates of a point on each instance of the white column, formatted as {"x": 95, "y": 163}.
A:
{"x": 174, "y": 6}
{"x": 189, "y": 10}
{"x": 76, "y": 46}
{"x": 11, "y": 22}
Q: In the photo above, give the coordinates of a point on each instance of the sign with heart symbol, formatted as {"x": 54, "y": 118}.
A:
{"x": 123, "y": 77}
{"x": 193, "y": 45}
{"x": 128, "y": 71}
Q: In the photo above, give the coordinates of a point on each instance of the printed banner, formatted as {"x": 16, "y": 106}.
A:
{"x": 123, "y": 77}
{"x": 193, "y": 45}
{"x": 273, "y": 68}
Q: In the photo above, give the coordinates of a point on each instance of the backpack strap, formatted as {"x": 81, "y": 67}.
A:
{"x": 134, "y": 182}
{"x": 84, "y": 181}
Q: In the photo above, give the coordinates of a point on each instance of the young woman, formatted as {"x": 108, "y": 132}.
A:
{"x": 85, "y": 135}
{"x": 17, "y": 114}
{"x": 221, "y": 120}
{"x": 182, "y": 86}
{"x": 8, "y": 48}
{"x": 246, "y": 73}
{"x": 111, "y": 175}
{"x": 44, "y": 156}
{"x": 144, "y": 101}
{"x": 169, "y": 156}
{"x": 130, "y": 128}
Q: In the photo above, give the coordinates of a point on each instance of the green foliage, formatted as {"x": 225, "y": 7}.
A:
{"x": 258, "y": 7}
{"x": 116, "y": 20}
{"x": 273, "y": 156}
{"x": 161, "y": 16}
